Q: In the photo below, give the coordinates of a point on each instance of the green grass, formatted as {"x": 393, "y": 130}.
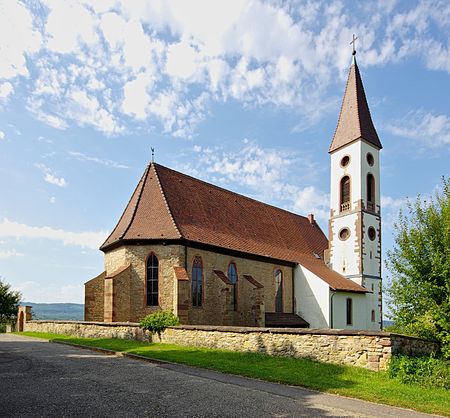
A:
{"x": 343, "y": 380}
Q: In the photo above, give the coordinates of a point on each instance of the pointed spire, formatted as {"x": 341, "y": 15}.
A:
{"x": 355, "y": 121}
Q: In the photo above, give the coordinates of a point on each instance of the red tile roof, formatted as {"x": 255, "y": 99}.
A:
{"x": 354, "y": 120}
{"x": 170, "y": 205}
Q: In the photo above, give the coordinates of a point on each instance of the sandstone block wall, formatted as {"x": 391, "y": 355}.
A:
{"x": 371, "y": 350}
{"x": 125, "y": 291}
{"x": 127, "y": 300}
{"x": 94, "y": 291}
{"x": 217, "y": 308}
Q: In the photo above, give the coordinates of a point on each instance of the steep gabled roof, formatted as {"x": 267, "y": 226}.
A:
{"x": 354, "y": 121}
{"x": 147, "y": 215}
{"x": 167, "y": 204}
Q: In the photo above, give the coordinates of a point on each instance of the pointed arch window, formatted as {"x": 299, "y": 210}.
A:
{"x": 278, "y": 290}
{"x": 370, "y": 192}
{"x": 197, "y": 282}
{"x": 152, "y": 280}
{"x": 232, "y": 279}
{"x": 345, "y": 193}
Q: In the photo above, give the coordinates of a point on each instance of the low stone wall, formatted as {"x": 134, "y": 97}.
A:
{"x": 86, "y": 329}
{"x": 371, "y": 350}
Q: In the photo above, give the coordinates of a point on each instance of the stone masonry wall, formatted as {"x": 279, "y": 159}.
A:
{"x": 134, "y": 293}
{"x": 94, "y": 291}
{"x": 124, "y": 300}
{"x": 249, "y": 301}
{"x": 371, "y": 350}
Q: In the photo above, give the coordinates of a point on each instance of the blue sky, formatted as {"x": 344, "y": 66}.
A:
{"x": 244, "y": 94}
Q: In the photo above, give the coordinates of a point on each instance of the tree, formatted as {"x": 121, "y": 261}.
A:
{"x": 419, "y": 294}
{"x": 9, "y": 302}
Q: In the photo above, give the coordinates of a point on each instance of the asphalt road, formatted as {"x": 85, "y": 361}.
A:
{"x": 41, "y": 379}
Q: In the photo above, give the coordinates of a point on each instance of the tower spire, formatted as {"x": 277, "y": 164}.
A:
{"x": 354, "y": 121}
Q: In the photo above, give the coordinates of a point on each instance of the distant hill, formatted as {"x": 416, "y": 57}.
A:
{"x": 62, "y": 311}
{"x": 387, "y": 323}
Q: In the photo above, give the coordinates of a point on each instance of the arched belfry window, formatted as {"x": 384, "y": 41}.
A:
{"x": 278, "y": 290}
{"x": 197, "y": 281}
{"x": 370, "y": 192}
{"x": 152, "y": 280}
{"x": 345, "y": 193}
{"x": 232, "y": 279}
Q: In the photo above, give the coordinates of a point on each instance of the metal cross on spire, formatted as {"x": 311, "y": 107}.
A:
{"x": 353, "y": 43}
{"x": 153, "y": 154}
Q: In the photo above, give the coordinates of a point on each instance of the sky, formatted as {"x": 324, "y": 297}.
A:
{"x": 243, "y": 94}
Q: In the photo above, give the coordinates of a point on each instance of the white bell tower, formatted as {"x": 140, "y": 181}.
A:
{"x": 355, "y": 218}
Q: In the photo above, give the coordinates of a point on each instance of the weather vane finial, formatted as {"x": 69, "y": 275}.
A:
{"x": 353, "y": 43}
{"x": 153, "y": 154}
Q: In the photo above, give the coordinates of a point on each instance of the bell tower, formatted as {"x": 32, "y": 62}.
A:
{"x": 355, "y": 217}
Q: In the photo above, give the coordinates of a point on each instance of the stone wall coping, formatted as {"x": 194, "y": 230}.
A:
{"x": 248, "y": 330}
{"x": 102, "y": 324}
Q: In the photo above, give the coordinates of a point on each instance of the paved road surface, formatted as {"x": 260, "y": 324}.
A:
{"x": 41, "y": 379}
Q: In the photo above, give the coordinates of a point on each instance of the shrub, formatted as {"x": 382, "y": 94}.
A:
{"x": 427, "y": 371}
{"x": 157, "y": 322}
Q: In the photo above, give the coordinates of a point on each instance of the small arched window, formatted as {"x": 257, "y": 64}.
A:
{"x": 373, "y": 315}
{"x": 278, "y": 290}
{"x": 345, "y": 193}
{"x": 152, "y": 280}
{"x": 232, "y": 279}
{"x": 197, "y": 281}
{"x": 370, "y": 192}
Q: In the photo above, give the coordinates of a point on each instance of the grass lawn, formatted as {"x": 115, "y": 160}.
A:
{"x": 343, "y": 380}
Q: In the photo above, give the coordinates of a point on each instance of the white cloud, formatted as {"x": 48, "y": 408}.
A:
{"x": 88, "y": 239}
{"x": 18, "y": 38}
{"x": 6, "y": 89}
{"x": 163, "y": 62}
{"x": 52, "y": 200}
{"x": 432, "y": 130}
{"x": 69, "y": 26}
{"x": 108, "y": 163}
{"x": 35, "y": 291}
{"x": 265, "y": 172}
{"x": 136, "y": 96}
{"x": 57, "y": 181}
{"x": 50, "y": 177}
{"x": 10, "y": 253}
{"x": 2, "y": 135}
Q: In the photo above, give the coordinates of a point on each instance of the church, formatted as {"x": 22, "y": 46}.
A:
{"x": 215, "y": 257}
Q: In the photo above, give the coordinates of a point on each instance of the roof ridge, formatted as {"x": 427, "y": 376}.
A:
{"x": 145, "y": 176}
{"x": 123, "y": 214}
{"x": 342, "y": 107}
{"x": 364, "y": 97}
{"x": 165, "y": 200}
{"x": 233, "y": 193}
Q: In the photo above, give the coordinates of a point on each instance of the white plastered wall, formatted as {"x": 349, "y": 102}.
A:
{"x": 360, "y": 317}
{"x": 312, "y": 298}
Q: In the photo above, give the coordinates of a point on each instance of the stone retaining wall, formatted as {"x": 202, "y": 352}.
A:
{"x": 371, "y": 350}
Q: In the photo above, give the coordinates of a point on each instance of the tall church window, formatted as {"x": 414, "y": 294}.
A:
{"x": 232, "y": 279}
{"x": 349, "y": 310}
{"x": 370, "y": 192}
{"x": 197, "y": 281}
{"x": 152, "y": 280}
{"x": 278, "y": 290}
{"x": 345, "y": 193}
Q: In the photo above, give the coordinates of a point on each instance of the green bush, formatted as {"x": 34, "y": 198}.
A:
{"x": 2, "y": 327}
{"x": 426, "y": 371}
{"x": 157, "y": 322}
